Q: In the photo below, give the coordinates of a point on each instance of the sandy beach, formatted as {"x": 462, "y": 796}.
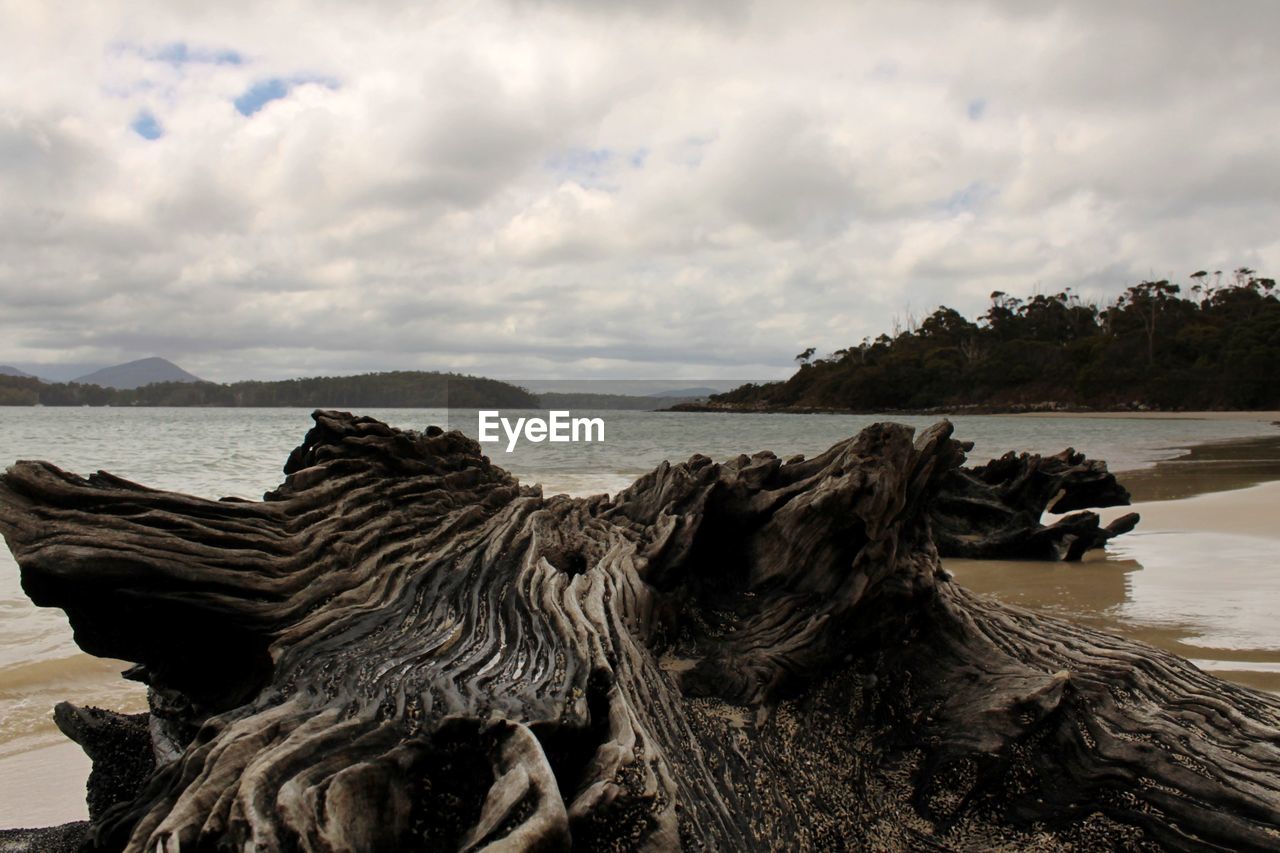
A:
{"x": 1197, "y": 577}
{"x": 44, "y": 787}
{"x": 1265, "y": 416}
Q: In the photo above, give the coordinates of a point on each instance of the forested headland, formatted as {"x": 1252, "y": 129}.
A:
{"x": 1210, "y": 343}
{"x": 396, "y": 389}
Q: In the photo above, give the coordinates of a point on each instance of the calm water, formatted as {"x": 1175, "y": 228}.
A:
{"x": 218, "y": 452}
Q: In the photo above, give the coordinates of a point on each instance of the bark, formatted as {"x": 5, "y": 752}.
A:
{"x": 401, "y": 648}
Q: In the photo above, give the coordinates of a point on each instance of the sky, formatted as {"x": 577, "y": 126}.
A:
{"x": 586, "y": 188}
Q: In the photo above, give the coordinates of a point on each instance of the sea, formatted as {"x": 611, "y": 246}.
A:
{"x": 240, "y": 452}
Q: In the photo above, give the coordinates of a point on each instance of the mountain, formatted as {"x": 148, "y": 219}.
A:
{"x": 61, "y": 371}
{"x": 686, "y": 392}
{"x": 135, "y": 374}
{"x": 6, "y": 370}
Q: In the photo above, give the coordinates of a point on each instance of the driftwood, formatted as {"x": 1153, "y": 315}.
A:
{"x": 994, "y": 511}
{"x": 402, "y": 648}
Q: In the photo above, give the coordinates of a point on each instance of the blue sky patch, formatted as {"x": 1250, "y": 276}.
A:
{"x": 260, "y": 94}
{"x": 264, "y": 92}
{"x": 146, "y": 126}
{"x": 693, "y": 149}
{"x": 587, "y": 166}
{"x": 179, "y": 53}
{"x": 969, "y": 199}
{"x": 977, "y": 109}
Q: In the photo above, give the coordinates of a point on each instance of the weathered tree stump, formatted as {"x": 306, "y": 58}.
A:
{"x": 401, "y": 648}
{"x": 994, "y": 511}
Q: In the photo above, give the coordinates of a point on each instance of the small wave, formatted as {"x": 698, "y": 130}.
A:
{"x": 27, "y": 674}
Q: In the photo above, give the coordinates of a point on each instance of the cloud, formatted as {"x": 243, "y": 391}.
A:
{"x": 606, "y": 189}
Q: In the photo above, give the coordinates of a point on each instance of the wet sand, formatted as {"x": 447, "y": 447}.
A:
{"x": 44, "y": 787}
{"x": 1218, "y": 467}
{"x": 1264, "y": 416}
{"x": 1199, "y": 577}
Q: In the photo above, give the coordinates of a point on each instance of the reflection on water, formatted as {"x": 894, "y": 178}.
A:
{"x": 1087, "y": 589}
{"x": 1216, "y": 467}
{"x": 1199, "y": 578}
{"x": 1221, "y": 590}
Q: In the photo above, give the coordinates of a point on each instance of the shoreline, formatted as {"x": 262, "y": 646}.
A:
{"x": 1223, "y": 488}
{"x": 1205, "y": 468}
{"x": 1198, "y": 575}
{"x": 1045, "y": 411}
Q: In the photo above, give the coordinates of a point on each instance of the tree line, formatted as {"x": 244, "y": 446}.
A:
{"x": 395, "y": 389}
{"x": 1214, "y": 344}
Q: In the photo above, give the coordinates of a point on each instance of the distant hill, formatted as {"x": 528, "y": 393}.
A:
{"x": 621, "y": 402}
{"x": 136, "y": 374}
{"x": 6, "y": 370}
{"x": 397, "y": 389}
{"x": 686, "y": 392}
{"x": 412, "y": 389}
{"x": 684, "y": 386}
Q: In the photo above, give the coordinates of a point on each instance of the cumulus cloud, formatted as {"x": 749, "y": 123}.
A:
{"x": 559, "y": 188}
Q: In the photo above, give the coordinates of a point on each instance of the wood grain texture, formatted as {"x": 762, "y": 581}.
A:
{"x": 401, "y": 648}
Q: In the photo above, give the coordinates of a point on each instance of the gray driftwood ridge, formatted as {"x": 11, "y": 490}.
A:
{"x": 401, "y": 648}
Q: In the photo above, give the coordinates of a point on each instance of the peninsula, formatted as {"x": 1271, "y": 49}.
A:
{"x": 1157, "y": 347}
